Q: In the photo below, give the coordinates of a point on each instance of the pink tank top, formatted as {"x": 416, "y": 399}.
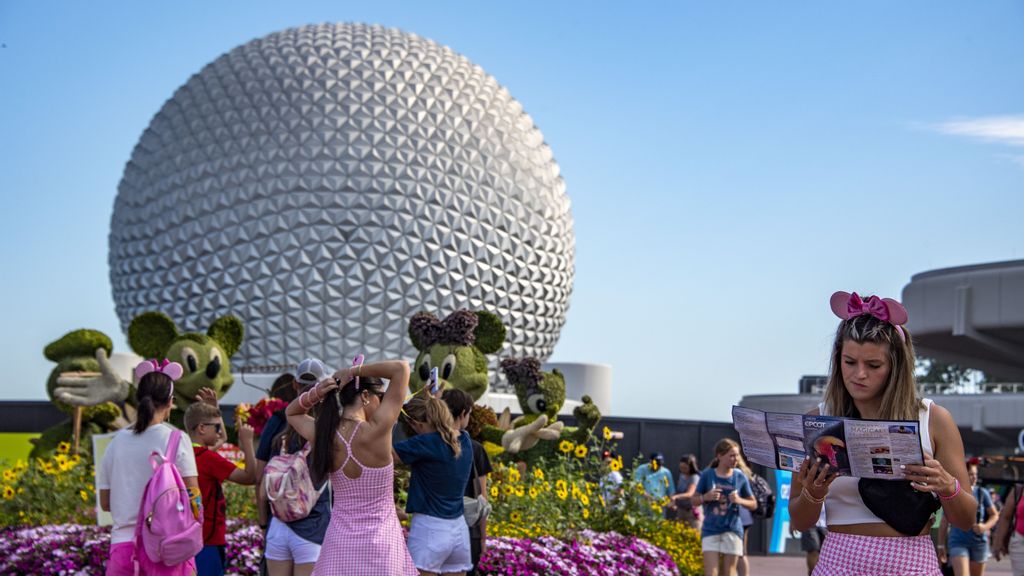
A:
{"x": 1019, "y": 525}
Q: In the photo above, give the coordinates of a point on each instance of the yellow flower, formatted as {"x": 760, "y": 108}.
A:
{"x": 561, "y": 485}
{"x": 584, "y": 500}
{"x": 607, "y": 433}
{"x": 494, "y": 492}
{"x": 75, "y": 460}
{"x": 84, "y": 495}
{"x": 20, "y": 465}
{"x": 563, "y": 494}
{"x": 640, "y": 488}
{"x": 8, "y": 493}
{"x": 10, "y": 476}
{"x": 515, "y": 517}
{"x": 538, "y": 474}
{"x": 533, "y": 492}
{"x": 519, "y": 491}
{"x": 586, "y": 513}
{"x": 615, "y": 465}
{"x": 63, "y": 448}
{"x": 566, "y": 446}
{"x": 601, "y": 498}
{"x": 513, "y": 475}
{"x": 581, "y": 451}
{"x": 509, "y": 490}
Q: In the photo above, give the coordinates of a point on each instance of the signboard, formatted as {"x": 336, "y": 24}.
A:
{"x": 780, "y": 521}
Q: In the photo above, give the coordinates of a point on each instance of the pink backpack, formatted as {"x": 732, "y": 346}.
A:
{"x": 166, "y": 533}
{"x": 288, "y": 485}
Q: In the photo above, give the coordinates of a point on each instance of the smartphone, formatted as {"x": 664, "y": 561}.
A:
{"x": 432, "y": 381}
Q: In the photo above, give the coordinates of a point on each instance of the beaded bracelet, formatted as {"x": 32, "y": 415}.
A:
{"x": 306, "y": 396}
{"x": 956, "y": 482}
{"x": 810, "y": 497}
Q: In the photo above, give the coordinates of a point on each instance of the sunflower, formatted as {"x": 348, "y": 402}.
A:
{"x": 586, "y": 513}
{"x": 581, "y": 451}
{"x": 63, "y": 448}
{"x": 10, "y": 476}
{"x": 533, "y": 492}
{"x": 519, "y": 491}
{"x": 515, "y": 517}
{"x": 494, "y": 492}
{"x": 607, "y": 433}
{"x": 513, "y": 475}
{"x": 560, "y": 484}
{"x": 538, "y": 474}
{"x": 615, "y": 465}
{"x": 509, "y": 490}
{"x": 84, "y": 495}
{"x": 584, "y": 500}
{"x": 565, "y": 446}
{"x": 562, "y": 494}
{"x": 8, "y": 493}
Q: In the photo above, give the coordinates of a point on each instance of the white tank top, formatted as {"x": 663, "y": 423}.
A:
{"x": 843, "y": 505}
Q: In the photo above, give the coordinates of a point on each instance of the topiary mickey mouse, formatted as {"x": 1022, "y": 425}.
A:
{"x": 456, "y": 346}
{"x": 205, "y": 358}
{"x": 541, "y": 395}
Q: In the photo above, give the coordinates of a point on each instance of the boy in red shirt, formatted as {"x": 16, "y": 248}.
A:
{"x": 206, "y": 429}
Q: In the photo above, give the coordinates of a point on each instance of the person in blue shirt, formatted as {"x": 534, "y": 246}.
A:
{"x": 968, "y": 550}
{"x": 723, "y": 489}
{"x": 441, "y": 458}
{"x": 656, "y": 479}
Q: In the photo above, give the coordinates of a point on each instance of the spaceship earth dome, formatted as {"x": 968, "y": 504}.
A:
{"x": 324, "y": 183}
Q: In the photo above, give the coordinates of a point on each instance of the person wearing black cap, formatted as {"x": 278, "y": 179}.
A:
{"x": 656, "y": 479}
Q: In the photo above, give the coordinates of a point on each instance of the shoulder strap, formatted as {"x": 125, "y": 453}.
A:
{"x": 474, "y": 477}
{"x": 172, "y": 446}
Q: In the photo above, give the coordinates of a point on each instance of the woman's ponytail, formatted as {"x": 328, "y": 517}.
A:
{"x": 327, "y": 420}
{"x": 440, "y": 417}
{"x": 154, "y": 393}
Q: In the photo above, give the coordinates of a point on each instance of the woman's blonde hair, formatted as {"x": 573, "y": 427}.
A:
{"x": 723, "y": 447}
{"x": 433, "y": 411}
{"x": 899, "y": 397}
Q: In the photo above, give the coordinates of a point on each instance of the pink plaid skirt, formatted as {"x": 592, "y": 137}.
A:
{"x": 851, "y": 555}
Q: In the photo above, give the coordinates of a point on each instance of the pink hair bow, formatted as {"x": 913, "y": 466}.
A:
{"x": 850, "y": 305}
{"x": 173, "y": 370}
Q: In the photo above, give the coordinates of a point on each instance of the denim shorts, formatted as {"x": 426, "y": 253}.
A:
{"x": 976, "y": 552}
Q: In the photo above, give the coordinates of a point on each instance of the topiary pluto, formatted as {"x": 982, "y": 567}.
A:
{"x": 456, "y": 346}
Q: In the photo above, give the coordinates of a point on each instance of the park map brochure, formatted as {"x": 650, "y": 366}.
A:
{"x": 851, "y": 446}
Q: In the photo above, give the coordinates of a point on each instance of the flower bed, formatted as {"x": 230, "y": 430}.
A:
{"x": 83, "y": 550}
{"x": 589, "y": 553}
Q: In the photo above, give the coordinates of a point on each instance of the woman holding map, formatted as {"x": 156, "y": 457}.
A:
{"x": 881, "y": 526}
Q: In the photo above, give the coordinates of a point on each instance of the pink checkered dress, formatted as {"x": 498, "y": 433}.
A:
{"x": 364, "y": 536}
{"x": 853, "y": 555}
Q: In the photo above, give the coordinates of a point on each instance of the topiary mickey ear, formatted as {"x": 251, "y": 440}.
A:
{"x": 423, "y": 328}
{"x": 489, "y": 333}
{"x": 229, "y": 332}
{"x": 151, "y": 333}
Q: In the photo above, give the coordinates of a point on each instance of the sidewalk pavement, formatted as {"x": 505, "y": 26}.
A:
{"x": 796, "y": 566}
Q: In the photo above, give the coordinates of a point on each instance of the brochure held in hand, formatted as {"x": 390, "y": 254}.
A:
{"x": 851, "y": 446}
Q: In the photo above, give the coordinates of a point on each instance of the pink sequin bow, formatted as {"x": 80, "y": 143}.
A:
{"x": 850, "y": 305}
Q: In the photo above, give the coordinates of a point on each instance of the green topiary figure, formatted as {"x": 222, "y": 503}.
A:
{"x": 205, "y": 358}
{"x": 537, "y": 433}
{"x": 75, "y": 352}
{"x": 456, "y": 346}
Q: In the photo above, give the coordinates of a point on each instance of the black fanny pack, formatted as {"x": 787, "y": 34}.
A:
{"x": 907, "y": 510}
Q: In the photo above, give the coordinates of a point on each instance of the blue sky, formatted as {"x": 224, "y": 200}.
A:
{"x": 730, "y": 164}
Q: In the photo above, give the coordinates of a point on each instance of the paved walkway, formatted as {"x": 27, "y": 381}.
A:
{"x": 795, "y": 566}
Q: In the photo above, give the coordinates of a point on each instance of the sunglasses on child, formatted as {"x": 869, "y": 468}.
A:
{"x": 216, "y": 425}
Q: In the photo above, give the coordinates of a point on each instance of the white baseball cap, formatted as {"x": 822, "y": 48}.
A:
{"x": 310, "y": 371}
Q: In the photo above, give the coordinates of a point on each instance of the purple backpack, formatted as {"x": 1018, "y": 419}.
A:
{"x": 166, "y": 533}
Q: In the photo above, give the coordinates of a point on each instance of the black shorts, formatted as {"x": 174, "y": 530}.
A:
{"x": 812, "y": 538}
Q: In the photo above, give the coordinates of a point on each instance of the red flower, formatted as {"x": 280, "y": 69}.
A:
{"x": 261, "y": 412}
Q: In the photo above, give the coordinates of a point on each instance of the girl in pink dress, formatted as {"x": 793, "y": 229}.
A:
{"x": 351, "y": 440}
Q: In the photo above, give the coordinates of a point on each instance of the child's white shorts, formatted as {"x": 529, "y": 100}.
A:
{"x": 439, "y": 545}
{"x": 284, "y": 544}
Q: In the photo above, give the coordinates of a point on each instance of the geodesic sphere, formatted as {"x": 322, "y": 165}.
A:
{"x": 325, "y": 183}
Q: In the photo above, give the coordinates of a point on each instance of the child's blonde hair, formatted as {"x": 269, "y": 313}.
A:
{"x": 433, "y": 411}
{"x": 199, "y": 412}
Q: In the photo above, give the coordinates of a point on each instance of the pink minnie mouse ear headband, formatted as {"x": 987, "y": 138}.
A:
{"x": 849, "y": 305}
{"x": 172, "y": 370}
